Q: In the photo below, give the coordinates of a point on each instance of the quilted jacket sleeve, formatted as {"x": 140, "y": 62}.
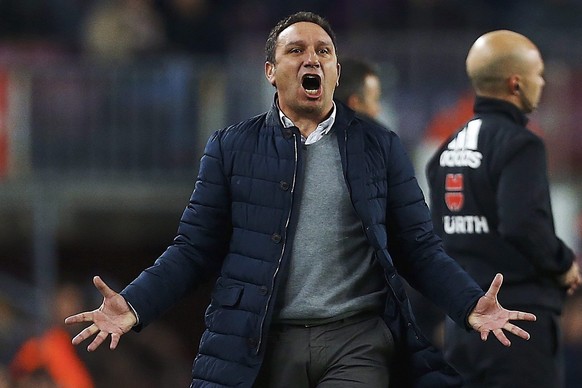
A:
{"x": 418, "y": 252}
{"x": 197, "y": 250}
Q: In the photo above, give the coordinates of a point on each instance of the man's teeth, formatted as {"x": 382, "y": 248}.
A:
{"x": 311, "y": 91}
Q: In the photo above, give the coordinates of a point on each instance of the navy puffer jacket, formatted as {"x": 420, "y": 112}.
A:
{"x": 237, "y": 224}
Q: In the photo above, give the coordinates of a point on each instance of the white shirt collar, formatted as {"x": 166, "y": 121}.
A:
{"x": 321, "y": 130}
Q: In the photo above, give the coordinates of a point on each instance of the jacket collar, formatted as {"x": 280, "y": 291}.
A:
{"x": 343, "y": 117}
{"x": 494, "y": 105}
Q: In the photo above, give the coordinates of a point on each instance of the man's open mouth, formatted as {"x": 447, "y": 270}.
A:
{"x": 311, "y": 83}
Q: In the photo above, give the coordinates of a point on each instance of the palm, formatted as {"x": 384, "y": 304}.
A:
{"x": 113, "y": 317}
{"x": 489, "y": 316}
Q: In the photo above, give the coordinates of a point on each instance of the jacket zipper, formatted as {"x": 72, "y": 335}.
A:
{"x": 344, "y": 153}
{"x": 284, "y": 246}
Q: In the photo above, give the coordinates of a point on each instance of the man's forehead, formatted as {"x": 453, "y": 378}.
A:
{"x": 303, "y": 30}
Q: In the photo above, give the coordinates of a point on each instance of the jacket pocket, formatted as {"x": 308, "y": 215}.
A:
{"x": 228, "y": 296}
{"x": 224, "y": 314}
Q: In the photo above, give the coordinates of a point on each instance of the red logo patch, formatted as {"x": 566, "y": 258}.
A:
{"x": 454, "y": 201}
{"x": 454, "y": 182}
{"x": 454, "y": 197}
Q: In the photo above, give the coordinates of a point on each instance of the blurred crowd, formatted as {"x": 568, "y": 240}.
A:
{"x": 43, "y": 357}
{"x": 207, "y": 26}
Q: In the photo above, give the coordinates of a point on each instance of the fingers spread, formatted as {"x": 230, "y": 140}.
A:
{"x": 518, "y": 331}
{"x": 495, "y": 285}
{"x": 114, "y": 340}
{"x": 501, "y": 337}
{"x": 99, "y": 338}
{"x": 103, "y": 288}
{"x": 521, "y": 316}
{"x": 86, "y": 316}
{"x": 84, "y": 334}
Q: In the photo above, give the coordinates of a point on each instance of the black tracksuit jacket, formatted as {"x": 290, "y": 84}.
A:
{"x": 490, "y": 204}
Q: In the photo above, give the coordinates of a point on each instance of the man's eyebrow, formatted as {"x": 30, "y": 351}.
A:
{"x": 325, "y": 43}
{"x": 301, "y": 42}
{"x": 295, "y": 43}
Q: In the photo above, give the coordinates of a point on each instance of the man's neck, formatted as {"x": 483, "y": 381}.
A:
{"x": 307, "y": 122}
{"x": 306, "y": 126}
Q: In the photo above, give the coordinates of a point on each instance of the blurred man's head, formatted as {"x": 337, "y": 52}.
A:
{"x": 359, "y": 87}
{"x": 506, "y": 65}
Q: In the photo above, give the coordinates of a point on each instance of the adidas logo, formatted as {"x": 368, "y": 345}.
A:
{"x": 462, "y": 150}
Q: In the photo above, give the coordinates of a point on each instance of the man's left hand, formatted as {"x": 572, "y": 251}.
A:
{"x": 489, "y": 316}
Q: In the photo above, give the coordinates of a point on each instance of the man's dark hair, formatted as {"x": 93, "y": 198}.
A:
{"x": 353, "y": 75}
{"x": 298, "y": 17}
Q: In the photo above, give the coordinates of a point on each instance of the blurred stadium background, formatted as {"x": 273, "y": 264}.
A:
{"x": 105, "y": 106}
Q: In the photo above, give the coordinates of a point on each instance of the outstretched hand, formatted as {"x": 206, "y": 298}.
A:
{"x": 489, "y": 316}
{"x": 114, "y": 317}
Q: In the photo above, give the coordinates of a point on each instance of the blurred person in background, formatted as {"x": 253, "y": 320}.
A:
{"x": 300, "y": 210}
{"x": 156, "y": 359}
{"x": 116, "y": 31}
{"x": 12, "y": 331}
{"x": 360, "y": 87}
{"x": 38, "y": 378}
{"x": 50, "y": 357}
{"x": 490, "y": 202}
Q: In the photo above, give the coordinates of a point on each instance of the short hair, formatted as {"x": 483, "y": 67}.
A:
{"x": 352, "y": 79}
{"x": 271, "y": 44}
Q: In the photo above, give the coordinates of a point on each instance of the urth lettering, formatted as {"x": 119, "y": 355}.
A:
{"x": 461, "y": 158}
{"x": 465, "y": 224}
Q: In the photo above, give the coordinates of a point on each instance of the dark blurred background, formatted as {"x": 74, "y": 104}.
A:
{"x": 105, "y": 106}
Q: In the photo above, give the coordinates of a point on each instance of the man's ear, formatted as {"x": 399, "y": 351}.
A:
{"x": 339, "y": 71}
{"x": 513, "y": 84}
{"x": 270, "y": 72}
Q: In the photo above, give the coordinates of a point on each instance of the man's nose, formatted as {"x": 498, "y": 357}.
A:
{"x": 312, "y": 58}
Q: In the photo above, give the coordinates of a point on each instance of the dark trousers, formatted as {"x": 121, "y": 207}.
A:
{"x": 353, "y": 352}
{"x": 536, "y": 363}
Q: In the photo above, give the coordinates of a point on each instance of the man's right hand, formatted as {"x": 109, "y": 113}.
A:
{"x": 114, "y": 317}
{"x": 572, "y": 279}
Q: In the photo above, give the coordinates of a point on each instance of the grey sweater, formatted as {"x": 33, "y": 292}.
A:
{"x": 332, "y": 273}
